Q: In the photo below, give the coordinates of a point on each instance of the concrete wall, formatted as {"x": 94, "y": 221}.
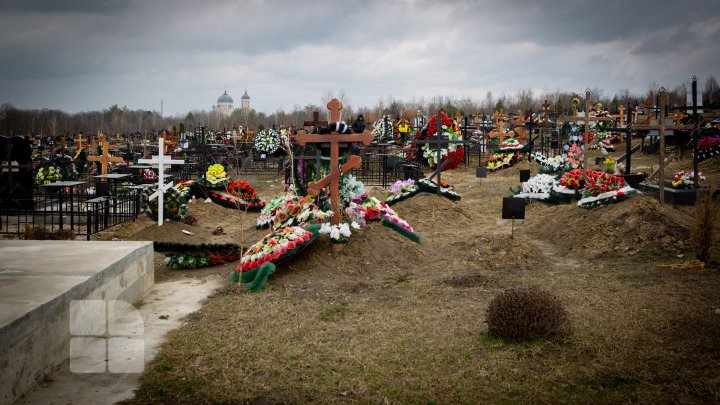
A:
{"x": 38, "y": 280}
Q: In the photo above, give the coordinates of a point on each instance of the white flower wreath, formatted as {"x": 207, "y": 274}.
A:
{"x": 267, "y": 142}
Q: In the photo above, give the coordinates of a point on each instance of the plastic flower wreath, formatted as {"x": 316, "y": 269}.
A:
{"x": 48, "y": 174}
{"x": 216, "y": 176}
{"x": 290, "y": 210}
{"x": 453, "y": 153}
{"x": 683, "y": 179}
{"x": 267, "y": 142}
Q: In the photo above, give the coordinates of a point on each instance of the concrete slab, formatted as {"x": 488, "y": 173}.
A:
{"x": 38, "y": 282}
{"x": 163, "y": 309}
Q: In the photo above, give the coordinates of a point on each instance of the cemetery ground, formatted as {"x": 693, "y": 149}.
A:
{"x": 382, "y": 319}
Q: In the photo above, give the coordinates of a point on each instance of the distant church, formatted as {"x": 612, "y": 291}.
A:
{"x": 224, "y": 105}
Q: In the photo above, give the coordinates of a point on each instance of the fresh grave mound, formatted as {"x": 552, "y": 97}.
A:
{"x": 430, "y": 211}
{"x": 638, "y": 226}
{"x": 374, "y": 252}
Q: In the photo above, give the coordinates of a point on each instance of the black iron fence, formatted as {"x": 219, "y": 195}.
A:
{"x": 70, "y": 208}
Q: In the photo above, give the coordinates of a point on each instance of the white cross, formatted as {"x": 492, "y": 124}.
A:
{"x": 161, "y": 160}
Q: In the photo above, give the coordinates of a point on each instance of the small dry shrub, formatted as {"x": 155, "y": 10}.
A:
{"x": 707, "y": 217}
{"x": 190, "y": 220}
{"x": 41, "y": 233}
{"x": 523, "y": 314}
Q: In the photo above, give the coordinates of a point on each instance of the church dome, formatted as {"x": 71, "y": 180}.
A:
{"x": 225, "y": 98}
{"x": 245, "y": 96}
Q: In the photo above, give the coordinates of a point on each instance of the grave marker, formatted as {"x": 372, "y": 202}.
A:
{"x": 661, "y": 127}
{"x": 105, "y": 158}
{"x": 499, "y": 130}
{"x": 353, "y": 161}
{"x": 161, "y": 160}
{"x": 587, "y": 118}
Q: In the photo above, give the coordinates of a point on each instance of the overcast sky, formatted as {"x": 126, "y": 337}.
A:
{"x": 89, "y": 54}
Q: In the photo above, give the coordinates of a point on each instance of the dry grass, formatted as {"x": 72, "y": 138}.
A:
{"x": 406, "y": 324}
{"x": 704, "y": 234}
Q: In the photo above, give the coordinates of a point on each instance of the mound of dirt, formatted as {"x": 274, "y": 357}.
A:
{"x": 636, "y": 226}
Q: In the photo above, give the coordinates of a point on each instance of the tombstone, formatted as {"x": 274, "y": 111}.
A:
{"x": 524, "y": 175}
{"x": 16, "y": 173}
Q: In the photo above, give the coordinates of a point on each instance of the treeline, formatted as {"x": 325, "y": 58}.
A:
{"x": 116, "y": 119}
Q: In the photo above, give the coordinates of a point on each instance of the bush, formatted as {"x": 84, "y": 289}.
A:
{"x": 41, "y": 233}
{"x": 707, "y": 217}
{"x": 523, "y": 314}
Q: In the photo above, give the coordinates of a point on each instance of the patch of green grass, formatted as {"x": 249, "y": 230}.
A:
{"x": 334, "y": 312}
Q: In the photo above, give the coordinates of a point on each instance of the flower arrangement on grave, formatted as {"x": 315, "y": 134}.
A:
{"x": 149, "y": 175}
{"x": 446, "y": 190}
{"x": 365, "y": 209}
{"x": 215, "y": 177}
{"x": 708, "y": 147}
{"x": 238, "y": 194}
{"x": 542, "y": 187}
{"x": 189, "y": 256}
{"x": 48, "y": 174}
{"x": 277, "y": 246}
{"x": 383, "y": 130}
{"x": 289, "y": 210}
{"x": 350, "y": 188}
{"x": 557, "y": 163}
{"x": 502, "y": 160}
{"x": 402, "y": 190}
{"x": 453, "y": 153}
{"x": 609, "y": 163}
{"x": 602, "y": 189}
{"x": 267, "y": 142}
{"x": 685, "y": 180}
{"x": 184, "y": 187}
{"x": 575, "y": 156}
{"x": 510, "y": 144}
{"x": 175, "y": 205}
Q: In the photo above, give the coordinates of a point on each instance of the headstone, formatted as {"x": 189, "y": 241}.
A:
{"x": 16, "y": 173}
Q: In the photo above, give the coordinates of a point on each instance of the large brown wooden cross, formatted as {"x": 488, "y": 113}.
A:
{"x": 105, "y": 158}
{"x": 169, "y": 142}
{"x": 499, "y": 130}
{"x": 353, "y": 161}
{"x": 519, "y": 123}
{"x": 79, "y": 141}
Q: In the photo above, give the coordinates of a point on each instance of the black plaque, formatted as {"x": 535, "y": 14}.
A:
{"x": 513, "y": 208}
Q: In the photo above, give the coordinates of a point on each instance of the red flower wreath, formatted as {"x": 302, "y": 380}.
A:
{"x": 242, "y": 190}
{"x": 454, "y": 158}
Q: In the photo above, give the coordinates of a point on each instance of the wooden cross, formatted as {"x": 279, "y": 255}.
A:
{"x": 334, "y": 106}
{"x": 661, "y": 127}
{"x": 499, "y": 130}
{"x": 169, "y": 142}
{"x": 621, "y": 116}
{"x": 105, "y": 158}
{"x": 315, "y": 122}
{"x": 519, "y": 122}
{"x": 79, "y": 141}
{"x": 161, "y": 160}
{"x": 678, "y": 117}
{"x": 333, "y": 179}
